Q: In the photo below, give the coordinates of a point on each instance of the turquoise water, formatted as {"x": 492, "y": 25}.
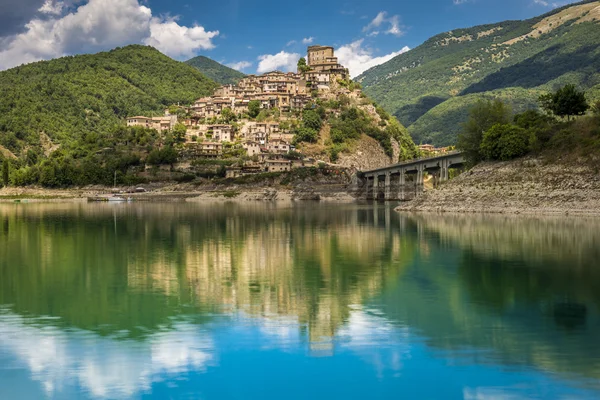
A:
{"x": 303, "y": 301}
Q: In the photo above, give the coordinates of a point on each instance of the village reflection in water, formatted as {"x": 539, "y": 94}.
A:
{"x": 106, "y": 301}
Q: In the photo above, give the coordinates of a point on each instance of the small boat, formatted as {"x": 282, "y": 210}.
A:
{"x": 117, "y": 198}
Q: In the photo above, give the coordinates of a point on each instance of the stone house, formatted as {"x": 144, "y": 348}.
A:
{"x": 278, "y": 146}
{"x": 278, "y": 165}
{"x": 210, "y": 149}
{"x": 164, "y": 123}
{"x": 251, "y": 147}
{"x": 221, "y": 133}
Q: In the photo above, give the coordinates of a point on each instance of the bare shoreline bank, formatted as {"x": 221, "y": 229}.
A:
{"x": 527, "y": 186}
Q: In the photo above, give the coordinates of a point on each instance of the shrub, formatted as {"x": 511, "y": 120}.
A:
{"x": 505, "y": 142}
{"x": 312, "y": 120}
{"x": 304, "y": 134}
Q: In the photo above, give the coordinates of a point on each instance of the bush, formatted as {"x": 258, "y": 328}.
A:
{"x": 505, "y": 142}
{"x": 166, "y": 155}
{"x": 304, "y": 134}
{"x": 185, "y": 178}
{"x": 312, "y": 120}
{"x": 253, "y": 108}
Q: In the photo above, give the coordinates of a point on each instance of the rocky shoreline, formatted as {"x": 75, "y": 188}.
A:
{"x": 525, "y": 186}
{"x": 310, "y": 190}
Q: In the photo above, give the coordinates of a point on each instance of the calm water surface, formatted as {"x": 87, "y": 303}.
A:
{"x": 306, "y": 301}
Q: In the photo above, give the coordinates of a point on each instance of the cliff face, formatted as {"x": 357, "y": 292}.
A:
{"x": 529, "y": 185}
{"x": 367, "y": 155}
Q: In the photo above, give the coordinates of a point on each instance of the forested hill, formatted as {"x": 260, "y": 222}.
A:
{"x": 73, "y": 96}
{"x": 430, "y": 88}
{"x": 215, "y": 71}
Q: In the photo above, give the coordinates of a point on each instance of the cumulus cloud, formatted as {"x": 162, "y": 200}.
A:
{"x": 308, "y": 40}
{"x": 103, "y": 366}
{"x": 51, "y": 7}
{"x": 179, "y": 41}
{"x": 282, "y": 60}
{"x": 383, "y": 23}
{"x": 358, "y": 58}
{"x": 240, "y": 65}
{"x": 100, "y": 25}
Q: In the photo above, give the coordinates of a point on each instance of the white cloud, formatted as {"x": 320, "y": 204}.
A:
{"x": 381, "y": 20}
{"x": 308, "y": 40}
{"x": 101, "y": 25}
{"x": 377, "y": 21}
{"x": 104, "y": 366}
{"x": 291, "y": 42}
{"x": 240, "y": 65}
{"x": 395, "y": 26}
{"x": 282, "y": 60}
{"x": 358, "y": 59}
{"x": 51, "y": 7}
{"x": 179, "y": 41}
{"x": 549, "y": 4}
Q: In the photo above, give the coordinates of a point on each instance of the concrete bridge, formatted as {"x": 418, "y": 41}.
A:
{"x": 404, "y": 180}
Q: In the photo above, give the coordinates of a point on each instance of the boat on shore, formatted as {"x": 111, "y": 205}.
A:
{"x": 111, "y": 199}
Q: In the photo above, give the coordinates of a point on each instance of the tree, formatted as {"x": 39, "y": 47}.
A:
{"x": 179, "y": 131}
{"x": 312, "y": 120}
{"x": 305, "y": 134}
{"x": 482, "y": 116}
{"x": 565, "y": 102}
{"x": 227, "y": 115}
{"x": 5, "y": 172}
{"x": 505, "y": 142}
{"x": 302, "y": 66}
{"x": 253, "y": 108}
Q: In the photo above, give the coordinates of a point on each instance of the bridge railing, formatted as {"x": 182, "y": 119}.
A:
{"x": 416, "y": 160}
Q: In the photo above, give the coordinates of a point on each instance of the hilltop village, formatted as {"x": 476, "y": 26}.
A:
{"x": 257, "y": 115}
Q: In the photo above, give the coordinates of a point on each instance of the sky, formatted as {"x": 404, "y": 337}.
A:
{"x": 250, "y": 36}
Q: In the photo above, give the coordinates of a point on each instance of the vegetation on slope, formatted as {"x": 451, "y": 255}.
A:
{"x": 515, "y": 59}
{"x": 492, "y": 133}
{"x": 215, "y": 71}
{"x": 347, "y": 121}
{"x": 80, "y": 97}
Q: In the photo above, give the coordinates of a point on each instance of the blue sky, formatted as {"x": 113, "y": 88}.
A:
{"x": 248, "y": 35}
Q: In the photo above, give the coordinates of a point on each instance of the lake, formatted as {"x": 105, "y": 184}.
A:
{"x": 297, "y": 301}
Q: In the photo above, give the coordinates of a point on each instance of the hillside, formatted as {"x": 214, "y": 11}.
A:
{"x": 430, "y": 88}
{"x": 215, "y": 71}
{"x": 88, "y": 94}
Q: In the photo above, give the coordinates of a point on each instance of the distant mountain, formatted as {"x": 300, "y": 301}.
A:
{"x": 430, "y": 88}
{"x": 215, "y": 71}
{"x": 71, "y": 97}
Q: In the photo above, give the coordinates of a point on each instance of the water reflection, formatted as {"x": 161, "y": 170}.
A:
{"x": 114, "y": 301}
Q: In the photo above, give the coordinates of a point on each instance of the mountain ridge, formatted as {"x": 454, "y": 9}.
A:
{"x": 216, "y": 71}
{"x": 80, "y": 95}
{"x": 430, "y": 88}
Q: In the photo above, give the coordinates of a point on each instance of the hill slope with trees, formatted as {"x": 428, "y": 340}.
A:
{"x": 431, "y": 88}
{"x": 216, "y": 71}
{"x": 71, "y": 97}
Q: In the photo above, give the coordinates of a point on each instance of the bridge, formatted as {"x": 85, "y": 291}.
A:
{"x": 400, "y": 181}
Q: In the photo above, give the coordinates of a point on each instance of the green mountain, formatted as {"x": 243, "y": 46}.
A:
{"x": 430, "y": 88}
{"x": 70, "y": 97}
{"x": 215, "y": 71}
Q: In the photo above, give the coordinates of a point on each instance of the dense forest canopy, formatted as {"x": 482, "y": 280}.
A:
{"x": 215, "y": 71}
{"x": 71, "y": 97}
